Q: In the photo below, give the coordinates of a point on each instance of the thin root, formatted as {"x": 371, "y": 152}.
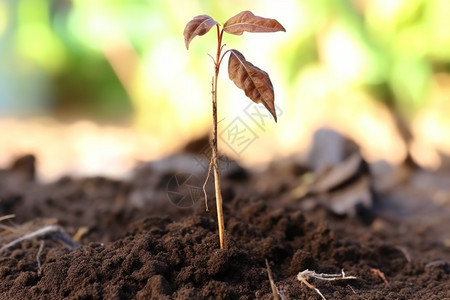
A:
{"x": 305, "y": 275}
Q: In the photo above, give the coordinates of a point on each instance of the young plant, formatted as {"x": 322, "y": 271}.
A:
{"x": 254, "y": 81}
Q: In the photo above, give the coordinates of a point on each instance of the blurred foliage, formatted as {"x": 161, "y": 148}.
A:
{"x": 71, "y": 57}
{"x": 391, "y": 47}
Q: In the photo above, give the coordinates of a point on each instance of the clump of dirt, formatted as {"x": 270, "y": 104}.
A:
{"x": 134, "y": 243}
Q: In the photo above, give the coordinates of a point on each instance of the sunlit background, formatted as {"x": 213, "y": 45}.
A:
{"x": 92, "y": 87}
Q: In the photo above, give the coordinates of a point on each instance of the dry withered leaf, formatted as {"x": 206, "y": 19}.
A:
{"x": 199, "y": 25}
{"x": 247, "y": 21}
{"x": 254, "y": 81}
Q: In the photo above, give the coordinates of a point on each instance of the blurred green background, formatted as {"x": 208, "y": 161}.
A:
{"x": 124, "y": 61}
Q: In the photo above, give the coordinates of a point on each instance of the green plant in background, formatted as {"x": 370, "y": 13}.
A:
{"x": 401, "y": 44}
{"x": 254, "y": 81}
{"x": 61, "y": 55}
{"x": 391, "y": 50}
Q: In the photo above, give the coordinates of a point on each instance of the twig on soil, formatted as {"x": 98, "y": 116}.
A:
{"x": 353, "y": 290}
{"x": 38, "y": 258}
{"x": 7, "y": 229}
{"x": 6, "y": 217}
{"x": 80, "y": 233}
{"x": 380, "y": 274}
{"x": 57, "y": 231}
{"x": 276, "y": 293}
{"x": 303, "y": 277}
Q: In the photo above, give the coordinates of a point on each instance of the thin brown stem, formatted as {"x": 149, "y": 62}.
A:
{"x": 214, "y": 145}
{"x": 272, "y": 283}
{"x": 223, "y": 55}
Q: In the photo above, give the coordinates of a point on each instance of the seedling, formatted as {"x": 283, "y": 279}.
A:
{"x": 254, "y": 81}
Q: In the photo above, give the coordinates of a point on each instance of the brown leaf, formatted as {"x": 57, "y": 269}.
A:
{"x": 254, "y": 81}
{"x": 197, "y": 26}
{"x": 247, "y": 21}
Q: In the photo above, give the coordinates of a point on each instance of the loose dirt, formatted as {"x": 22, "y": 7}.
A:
{"x": 149, "y": 237}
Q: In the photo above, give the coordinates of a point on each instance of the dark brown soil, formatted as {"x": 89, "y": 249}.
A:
{"x": 139, "y": 245}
